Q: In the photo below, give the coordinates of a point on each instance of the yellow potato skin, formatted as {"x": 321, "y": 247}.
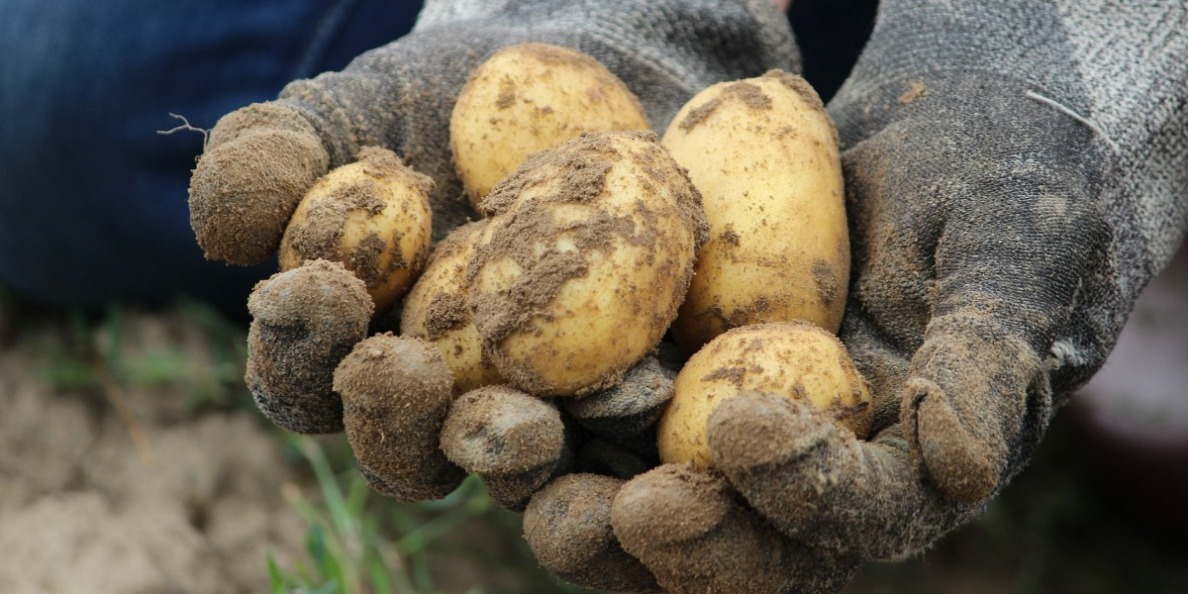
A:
{"x": 588, "y": 253}
{"x": 529, "y": 97}
{"x": 436, "y": 311}
{"x": 797, "y": 360}
{"x": 372, "y": 216}
{"x": 764, "y": 154}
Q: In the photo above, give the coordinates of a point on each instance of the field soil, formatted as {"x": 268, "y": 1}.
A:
{"x": 107, "y": 486}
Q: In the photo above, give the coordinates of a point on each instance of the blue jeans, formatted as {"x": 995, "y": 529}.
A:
{"x": 92, "y": 199}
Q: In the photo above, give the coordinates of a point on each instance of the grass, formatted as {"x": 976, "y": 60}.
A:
{"x": 360, "y": 544}
{"x": 92, "y": 352}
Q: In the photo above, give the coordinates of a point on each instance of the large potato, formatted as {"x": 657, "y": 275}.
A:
{"x": 372, "y": 216}
{"x": 587, "y": 255}
{"x": 436, "y": 310}
{"x": 797, "y": 360}
{"x": 763, "y": 153}
{"x": 529, "y": 97}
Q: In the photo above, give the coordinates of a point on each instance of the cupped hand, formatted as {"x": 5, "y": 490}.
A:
{"x": 977, "y": 234}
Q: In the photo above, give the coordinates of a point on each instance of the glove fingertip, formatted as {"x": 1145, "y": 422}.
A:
{"x": 568, "y": 526}
{"x": 395, "y": 393}
{"x": 958, "y": 464}
{"x": 248, "y": 183}
{"x": 304, "y": 321}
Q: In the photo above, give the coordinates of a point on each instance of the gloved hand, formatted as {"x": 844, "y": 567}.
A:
{"x": 260, "y": 160}
{"x": 1013, "y": 174}
{"x": 1016, "y": 171}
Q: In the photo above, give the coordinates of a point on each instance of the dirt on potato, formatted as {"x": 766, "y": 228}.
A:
{"x": 445, "y": 311}
{"x": 319, "y": 233}
{"x": 305, "y": 321}
{"x": 578, "y": 175}
{"x": 748, "y": 93}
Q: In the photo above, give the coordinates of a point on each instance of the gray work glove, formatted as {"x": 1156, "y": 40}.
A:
{"x": 1016, "y": 172}
{"x": 313, "y": 320}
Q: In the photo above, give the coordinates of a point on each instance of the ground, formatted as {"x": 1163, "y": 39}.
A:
{"x": 132, "y": 461}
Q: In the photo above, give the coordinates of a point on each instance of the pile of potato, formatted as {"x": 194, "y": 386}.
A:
{"x": 597, "y": 241}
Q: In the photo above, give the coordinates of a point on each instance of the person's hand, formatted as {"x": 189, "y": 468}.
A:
{"x": 1013, "y": 180}
{"x": 260, "y": 160}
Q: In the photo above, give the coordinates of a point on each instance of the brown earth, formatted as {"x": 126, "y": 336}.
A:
{"x": 110, "y": 487}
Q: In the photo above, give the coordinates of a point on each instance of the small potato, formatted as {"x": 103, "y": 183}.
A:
{"x": 436, "y": 310}
{"x": 372, "y": 216}
{"x": 529, "y": 97}
{"x": 797, "y": 360}
{"x": 763, "y": 153}
{"x": 586, "y": 257}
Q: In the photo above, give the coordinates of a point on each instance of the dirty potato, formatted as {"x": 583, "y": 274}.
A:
{"x": 797, "y": 360}
{"x": 436, "y": 310}
{"x": 372, "y": 216}
{"x": 529, "y": 97}
{"x": 587, "y": 255}
{"x": 763, "y": 153}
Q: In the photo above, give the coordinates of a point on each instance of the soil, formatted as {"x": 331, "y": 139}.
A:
{"x": 178, "y": 491}
{"x": 179, "y": 501}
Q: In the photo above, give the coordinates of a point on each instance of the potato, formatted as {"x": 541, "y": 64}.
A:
{"x": 436, "y": 310}
{"x": 587, "y": 255}
{"x": 529, "y": 97}
{"x": 763, "y": 153}
{"x": 797, "y": 360}
{"x": 372, "y": 216}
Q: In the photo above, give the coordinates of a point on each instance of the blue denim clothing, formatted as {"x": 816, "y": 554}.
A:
{"x": 92, "y": 199}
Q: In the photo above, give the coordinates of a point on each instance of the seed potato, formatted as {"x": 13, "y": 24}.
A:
{"x": 372, "y": 216}
{"x": 763, "y": 153}
{"x": 436, "y": 310}
{"x": 587, "y": 255}
{"x": 529, "y": 97}
{"x": 797, "y": 360}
